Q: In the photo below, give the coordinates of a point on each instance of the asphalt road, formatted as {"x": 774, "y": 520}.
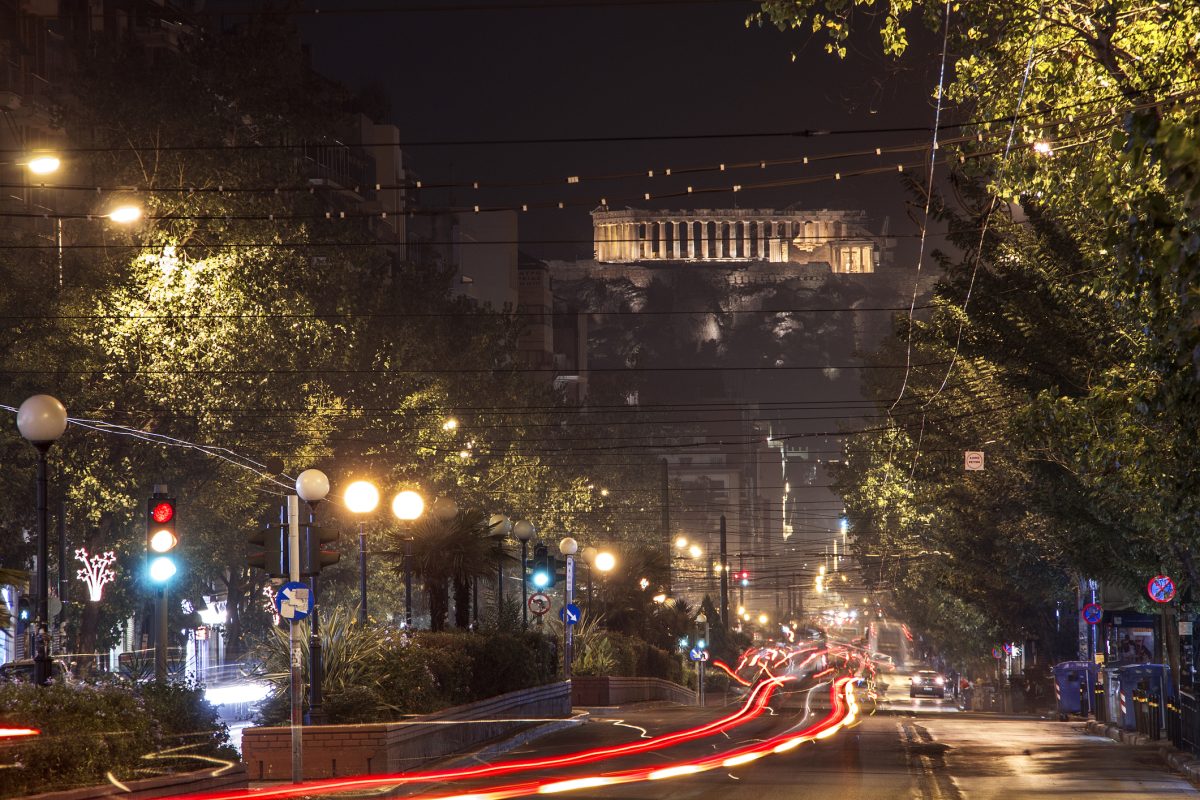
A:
{"x": 923, "y": 748}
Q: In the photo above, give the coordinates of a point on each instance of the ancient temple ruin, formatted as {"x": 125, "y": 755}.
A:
{"x": 839, "y": 239}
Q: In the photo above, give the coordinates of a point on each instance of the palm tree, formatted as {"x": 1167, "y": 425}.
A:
{"x": 450, "y": 555}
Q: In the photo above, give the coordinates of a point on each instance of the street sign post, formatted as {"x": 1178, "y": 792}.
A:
{"x": 697, "y": 654}
{"x": 538, "y": 603}
{"x": 997, "y": 652}
{"x": 1161, "y": 589}
{"x": 1092, "y": 613}
{"x": 569, "y": 614}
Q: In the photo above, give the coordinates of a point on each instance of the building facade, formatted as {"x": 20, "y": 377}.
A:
{"x": 839, "y": 239}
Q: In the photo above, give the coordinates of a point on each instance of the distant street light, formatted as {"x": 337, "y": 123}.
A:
{"x": 42, "y": 419}
{"x": 694, "y": 551}
{"x": 43, "y": 164}
{"x": 125, "y": 215}
{"x": 524, "y": 531}
{"x": 605, "y": 561}
{"x": 681, "y": 542}
{"x": 362, "y": 498}
{"x": 408, "y": 506}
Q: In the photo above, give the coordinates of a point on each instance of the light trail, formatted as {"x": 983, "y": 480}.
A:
{"x": 755, "y": 705}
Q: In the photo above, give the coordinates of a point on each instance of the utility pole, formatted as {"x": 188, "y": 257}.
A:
{"x": 724, "y": 578}
{"x": 666, "y": 515}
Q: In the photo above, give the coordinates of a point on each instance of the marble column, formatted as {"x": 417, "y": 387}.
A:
{"x": 661, "y": 233}
{"x": 721, "y": 226}
{"x": 763, "y": 249}
{"x": 746, "y": 225}
{"x": 733, "y": 240}
{"x": 704, "y": 239}
{"x": 691, "y": 239}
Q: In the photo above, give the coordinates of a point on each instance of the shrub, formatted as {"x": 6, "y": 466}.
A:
{"x": 89, "y": 730}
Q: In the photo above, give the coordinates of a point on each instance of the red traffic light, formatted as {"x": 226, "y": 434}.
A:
{"x": 163, "y": 513}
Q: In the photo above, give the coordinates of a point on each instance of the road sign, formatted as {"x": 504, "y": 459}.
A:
{"x": 294, "y": 601}
{"x": 569, "y": 613}
{"x": 539, "y": 603}
{"x": 973, "y": 460}
{"x": 1161, "y": 589}
{"x": 1092, "y": 613}
{"x": 997, "y": 652}
{"x": 696, "y": 654}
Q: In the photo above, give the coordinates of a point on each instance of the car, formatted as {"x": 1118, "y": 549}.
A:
{"x": 23, "y": 671}
{"x": 883, "y": 662}
{"x": 927, "y": 683}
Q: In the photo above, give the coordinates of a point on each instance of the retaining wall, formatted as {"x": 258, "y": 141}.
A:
{"x": 590, "y": 690}
{"x": 333, "y": 750}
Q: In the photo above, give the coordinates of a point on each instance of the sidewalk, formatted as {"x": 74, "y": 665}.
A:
{"x": 1001, "y": 757}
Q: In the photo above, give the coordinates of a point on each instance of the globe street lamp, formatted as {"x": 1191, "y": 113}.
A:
{"x": 361, "y": 498}
{"x": 41, "y": 419}
{"x": 408, "y": 506}
{"x": 524, "y": 531}
{"x": 604, "y": 562}
{"x": 312, "y": 486}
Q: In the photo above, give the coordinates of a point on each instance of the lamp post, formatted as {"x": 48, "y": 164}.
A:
{"x": 568, "y": 547}
{"x": 312, "y": 486}
{"x": 408, "y": 506}
{"x": 361, "y": 498}
{"x": 41, "y": 420}
{"x": 701, "y": 619}
{"x": 524, "y": 531}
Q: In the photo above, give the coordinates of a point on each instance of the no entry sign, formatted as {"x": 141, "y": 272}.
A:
{"x": 1092, "y": 613}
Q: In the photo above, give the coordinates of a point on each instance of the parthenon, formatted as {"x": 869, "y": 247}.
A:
{"x": 838, "y": 238}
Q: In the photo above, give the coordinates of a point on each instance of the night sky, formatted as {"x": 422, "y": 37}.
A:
{"x": 619, "y": 71}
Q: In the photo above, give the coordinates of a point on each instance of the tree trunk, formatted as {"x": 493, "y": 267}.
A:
{"x": 439, "y": 604}
{"x": 236, "y": 601}
{"x": 462, "y": 602}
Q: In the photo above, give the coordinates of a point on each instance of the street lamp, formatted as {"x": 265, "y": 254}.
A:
{"x": 408, "y": 506}
{"x": 124, "y": 215}
{"x": 312, "y": 486}
{"x": 568, "y": 547}
{"x": 42, "y": 419}
{"x": 43, "y": 164}
{"x": 361, "y": 498}
{"x": 524, "y": 531}
{"x": 681, "y": 542}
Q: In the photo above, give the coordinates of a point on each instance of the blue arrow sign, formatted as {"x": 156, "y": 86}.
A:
{"x": 569, "y": 613}
{"x": 294, "y": 602}
{"x": 698, "y": 654}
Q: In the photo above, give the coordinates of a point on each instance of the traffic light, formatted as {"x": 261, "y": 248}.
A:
{"x": 541, "y": 576}
{"x": 269, "y": 549}
{"x": 315, "y": 557}
{"x": 745, "y": 578}
{"x": 24, "y": 613}
{"x": 161, "y": 536}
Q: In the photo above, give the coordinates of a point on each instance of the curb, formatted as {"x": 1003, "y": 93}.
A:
{"x": 1186, "y": 764}
{"x": 516, "y": 740}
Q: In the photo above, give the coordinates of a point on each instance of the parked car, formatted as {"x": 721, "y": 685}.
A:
{"x": 23, "y": 671}
{"x": 927, "y": 683}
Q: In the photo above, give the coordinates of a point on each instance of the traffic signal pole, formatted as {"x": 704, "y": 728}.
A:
{"x": 296, "y": 656}
{"x": 724, "y": 578}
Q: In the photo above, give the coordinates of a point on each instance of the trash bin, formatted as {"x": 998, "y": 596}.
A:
{"x": 1073, "y": 682}
{"x": 1142, "y": 691}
